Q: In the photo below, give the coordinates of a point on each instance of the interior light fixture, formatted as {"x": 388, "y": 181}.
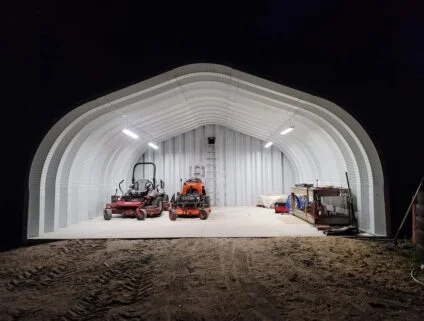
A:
{"x": 287, "y": 130}
{"x": 152, "y": 145}
{"x": 269, "y": 144}
{"x": 130, "y": 133}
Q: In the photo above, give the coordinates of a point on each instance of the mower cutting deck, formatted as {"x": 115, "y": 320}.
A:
{"x": 144, "y": 198}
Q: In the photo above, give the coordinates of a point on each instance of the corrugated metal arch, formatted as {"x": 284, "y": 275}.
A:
{"x": 83, "y": 156}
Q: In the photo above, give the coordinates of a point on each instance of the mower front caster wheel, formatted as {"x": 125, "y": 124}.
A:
{"x": 140, "y": 214}
{"x": 203, "y": 215}
{"x": 107, "y": 214}
{"x": 172, "y": 215}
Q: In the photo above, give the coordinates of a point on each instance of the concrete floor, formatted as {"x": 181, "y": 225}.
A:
{"x": 240, "y": 221}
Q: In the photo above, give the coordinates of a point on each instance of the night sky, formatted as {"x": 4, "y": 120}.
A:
{"x": 365, "y": 56}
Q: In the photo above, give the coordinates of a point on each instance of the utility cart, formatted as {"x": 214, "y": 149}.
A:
{"x": 321, "y": 205}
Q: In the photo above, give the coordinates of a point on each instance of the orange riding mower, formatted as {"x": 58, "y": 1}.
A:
{"x": 192, "y": 201}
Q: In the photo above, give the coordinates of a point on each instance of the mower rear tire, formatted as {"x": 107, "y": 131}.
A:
{"x": 158, "y": 203}
{"x": 140, "y": 214}
{"x": 172, "y": 215}
{"x": 107, "y": 214}
{"x": 208, "y": 201}
{"x": 203, "y": 214}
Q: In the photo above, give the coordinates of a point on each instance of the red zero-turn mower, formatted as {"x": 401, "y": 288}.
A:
{"x": 192, "y": 201}
{"x": 143, "y": 198}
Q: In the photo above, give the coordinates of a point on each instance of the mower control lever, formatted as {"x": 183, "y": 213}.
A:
{"x": 120, "y": 186}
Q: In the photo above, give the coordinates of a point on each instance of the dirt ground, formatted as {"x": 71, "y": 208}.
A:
{"x": 325, "y": 278}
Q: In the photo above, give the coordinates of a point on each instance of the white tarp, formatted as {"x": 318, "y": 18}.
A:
{"x": 269, "y": 200}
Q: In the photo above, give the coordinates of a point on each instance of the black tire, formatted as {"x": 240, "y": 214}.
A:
{"x": 420, "y": 198}
{"x": 203, "y": 215}
{"x": 208, "y": 201}
{"x": 420, "y": 210}
{"x": 172, "y": 215}
{"x": 140, "y": 214}
{"x": 420, "y": 237}
{"x": 419, "y": 221}
{"x": 158, "y": 203}
{"x": 107, "y": 214}
{"x": 420, "y": 252}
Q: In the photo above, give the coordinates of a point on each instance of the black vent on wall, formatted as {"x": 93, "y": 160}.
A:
{"x": 211, "y": 140}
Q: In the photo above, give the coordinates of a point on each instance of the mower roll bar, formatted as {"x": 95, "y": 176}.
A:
{"x": 154, "y": 172}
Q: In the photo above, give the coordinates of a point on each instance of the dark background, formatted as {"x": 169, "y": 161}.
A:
{"x": 365, "y": 56}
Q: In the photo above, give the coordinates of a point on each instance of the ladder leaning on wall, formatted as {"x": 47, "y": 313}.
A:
{"x": 211, "y": 172}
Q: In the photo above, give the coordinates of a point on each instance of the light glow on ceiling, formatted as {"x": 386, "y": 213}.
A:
{"x": 152, "y": 145}
{"x": 130, "y": 133}
{"x": 287, "y": 130}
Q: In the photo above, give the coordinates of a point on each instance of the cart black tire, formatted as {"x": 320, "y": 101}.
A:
{"x": 420, "y": 237}
{"x": 420, "y": 251}
{"x": 140, "y": 214}
{"x": 107, "y": 214}
{"x": 420, "y": 210}
{"x": 172, "y": 215}
{"x": 419, "y": 221}
{"x": 203, "y": 214}
{"x": 420, "y": 197}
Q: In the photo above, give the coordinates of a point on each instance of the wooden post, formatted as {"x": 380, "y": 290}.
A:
{"x": 407, "y": 212}
{"x": 414, "y": 224}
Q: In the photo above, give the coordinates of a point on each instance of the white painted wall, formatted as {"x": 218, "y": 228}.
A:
{"x": 245, "y": 169}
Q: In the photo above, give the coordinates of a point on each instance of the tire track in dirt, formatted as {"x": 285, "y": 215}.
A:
{"x": 178, "y": 265}
{"x": 241, "y": 265}
{"x": 226, "y": 253}
{"x": 95, "y": 303}
{"x": 260, "y": 301}
{"x": 49, "y": 274}
{"x": 301, "y": 273}
{"x": 209, "y": 283}
{"x": 133, "y": 301}
{"x": 117, "y": 292}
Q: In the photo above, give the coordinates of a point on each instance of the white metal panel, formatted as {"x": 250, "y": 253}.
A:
{"x": 234, "y": 154}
